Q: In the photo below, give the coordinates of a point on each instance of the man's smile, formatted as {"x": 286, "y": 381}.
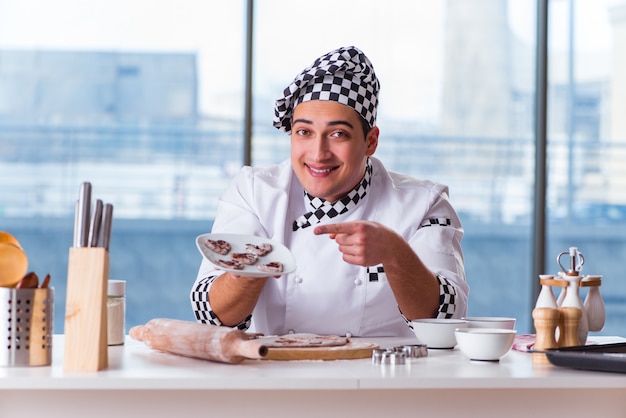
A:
{"x": 318, "y": 171}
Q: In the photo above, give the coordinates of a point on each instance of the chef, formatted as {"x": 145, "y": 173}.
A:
{"x": 374, "y": 248}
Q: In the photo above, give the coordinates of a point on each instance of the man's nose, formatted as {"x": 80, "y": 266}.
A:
{"x": 321, "y": 148}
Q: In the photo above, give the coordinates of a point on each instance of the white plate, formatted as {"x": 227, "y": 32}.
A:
{"x": 238, "y": 243}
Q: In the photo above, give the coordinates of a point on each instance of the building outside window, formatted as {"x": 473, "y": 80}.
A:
{"x": 146, "y": 101}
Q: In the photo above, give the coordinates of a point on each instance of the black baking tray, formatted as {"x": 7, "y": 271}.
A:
{"x": 601, "y": 357}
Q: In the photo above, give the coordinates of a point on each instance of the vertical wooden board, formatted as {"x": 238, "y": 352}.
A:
{"x": 85, "y": 310}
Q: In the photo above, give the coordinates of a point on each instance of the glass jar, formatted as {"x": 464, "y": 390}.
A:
{"x": 116, "y": 312}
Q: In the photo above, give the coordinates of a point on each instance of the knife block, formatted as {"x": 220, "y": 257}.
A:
{"x": 85, "y": 310}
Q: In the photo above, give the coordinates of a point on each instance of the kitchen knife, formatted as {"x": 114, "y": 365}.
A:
{"x": 84, "y": 204}
{"x": 96, "y": 223}
{"x": 107, "y": 220}
{"x": 76, "y": 241}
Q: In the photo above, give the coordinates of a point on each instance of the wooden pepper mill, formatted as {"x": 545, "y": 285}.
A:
{"x": 569, "y": 323}
{"x": 546, "y": 321}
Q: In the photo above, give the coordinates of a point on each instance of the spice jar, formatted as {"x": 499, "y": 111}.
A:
{"x": 116, "y": 312}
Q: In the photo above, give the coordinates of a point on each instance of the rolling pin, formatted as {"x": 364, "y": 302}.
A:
{"x": 192, "y": 339}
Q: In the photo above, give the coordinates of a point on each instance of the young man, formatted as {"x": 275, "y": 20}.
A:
{"x": 374, "y": 248}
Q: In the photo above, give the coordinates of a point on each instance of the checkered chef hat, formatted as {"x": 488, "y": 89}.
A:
{"x": 344, "y": 75}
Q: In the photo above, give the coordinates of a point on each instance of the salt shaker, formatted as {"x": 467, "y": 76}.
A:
{"x": 116, "y": 312}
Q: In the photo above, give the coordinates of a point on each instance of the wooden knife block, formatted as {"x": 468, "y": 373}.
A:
{"x": 85, "y": 310}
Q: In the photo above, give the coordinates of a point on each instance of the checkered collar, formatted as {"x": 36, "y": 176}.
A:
{"x": 322, "y": 209}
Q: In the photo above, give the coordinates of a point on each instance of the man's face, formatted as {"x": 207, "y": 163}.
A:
{"x": 328, "y": 150}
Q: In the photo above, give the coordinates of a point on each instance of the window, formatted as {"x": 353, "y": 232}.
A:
{"x": 146, "y": 101}
{"x": 456, "y": 106}
{"x": 586, "y": 143}
{"x": 143, "y": 100}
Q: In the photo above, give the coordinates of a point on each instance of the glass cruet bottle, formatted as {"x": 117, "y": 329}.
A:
{"x": 594, "y": 305}
{"x": 546, "y": 297}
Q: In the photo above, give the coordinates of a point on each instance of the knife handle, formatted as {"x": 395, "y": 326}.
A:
{"x": 96, "y": 222}
{"x": 84, "y": 202}
{"x": 76, "y": 241}
{"x": 107, "y": 220}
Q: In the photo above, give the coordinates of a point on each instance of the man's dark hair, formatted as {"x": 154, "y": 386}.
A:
{"x": 365, "y": 126}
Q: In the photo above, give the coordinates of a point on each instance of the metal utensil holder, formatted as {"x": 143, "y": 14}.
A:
{"x": 26, "y": 321}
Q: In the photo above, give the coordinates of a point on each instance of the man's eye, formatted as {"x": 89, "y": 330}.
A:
{"x": 302, "y": 132}
{"x": 339, "y": 134}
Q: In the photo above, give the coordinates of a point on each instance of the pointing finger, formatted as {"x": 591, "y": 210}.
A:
{"x": 327, "y": 229}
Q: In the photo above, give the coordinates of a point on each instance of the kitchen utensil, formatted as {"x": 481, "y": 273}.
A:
{"x": 388, "y": 356}
{"x": 594, "y": 305}
{"x": 83, "y": 214}
{"x": 87, "y": 275}
{"x": 569, "y": 324}
{"x": 46, "y": 282}
{"x": 437, "y": 332}
{"x": 29, "y": 281}
{"x": 413, "y": 350}
{"x": 486, "y": 344}
{"x": 96, "y": 222}
{"x": 490, "y": 322}
{"x": 545, "y": 319}
{"x": 26, "y": 332}
{"x": 408, "y": 352}
{"x": 13, "y": 264}
{"x": 192, "y": 339}
{"x": 107, "y": 224}
{"x": 116, "y": 312}
{"x": 546, "y": 297}
{"x": 572, "y": 300}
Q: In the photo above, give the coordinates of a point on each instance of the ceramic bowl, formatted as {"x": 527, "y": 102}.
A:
{"x": 486, "y": 344}
{"x": 437, "y": 333}
{"x": 490, "y": 322}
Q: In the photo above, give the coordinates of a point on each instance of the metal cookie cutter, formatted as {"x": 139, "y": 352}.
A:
{"x": 412, "y": 351}
{"x": 388, "y": 356}
{"x": 399, "y": 354}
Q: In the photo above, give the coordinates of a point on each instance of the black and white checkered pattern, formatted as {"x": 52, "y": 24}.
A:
{"x": 447, "y": 298}
{"x": 344, "y": 75}
{"x": 374, "y": 273}
{"x": 323, "y": 209}
{"x": 202, "y": 310}
{"x": 436, "y": 221}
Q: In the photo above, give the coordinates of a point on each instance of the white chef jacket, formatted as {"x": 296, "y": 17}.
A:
{"x": 325, "y": 295}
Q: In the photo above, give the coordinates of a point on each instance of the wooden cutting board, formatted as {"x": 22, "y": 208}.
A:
{"x": 352, "y": 350}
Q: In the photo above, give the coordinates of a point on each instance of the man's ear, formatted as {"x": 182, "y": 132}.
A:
{"x": 371, "y": 141}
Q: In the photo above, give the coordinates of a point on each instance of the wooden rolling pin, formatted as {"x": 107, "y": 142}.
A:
{"x": 192, "y": 339}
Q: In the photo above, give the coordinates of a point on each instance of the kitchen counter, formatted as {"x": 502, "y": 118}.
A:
{"x": 154, "y": 384}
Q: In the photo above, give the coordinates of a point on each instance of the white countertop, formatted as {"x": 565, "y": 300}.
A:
{"x": 135, "y": 366}
{"x": 143, "y": 382}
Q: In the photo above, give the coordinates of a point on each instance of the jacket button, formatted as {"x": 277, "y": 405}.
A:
{"x": 358, "y": 282}
{"x": 298, "y": 279}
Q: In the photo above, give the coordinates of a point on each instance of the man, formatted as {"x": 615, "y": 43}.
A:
{"x": 374, "y": 249}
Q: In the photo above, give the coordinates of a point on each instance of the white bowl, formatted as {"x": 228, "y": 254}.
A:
{"x": 488, "y": 344}
{"x": 437, "y": 332}
{"x": 490, "y": 322}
